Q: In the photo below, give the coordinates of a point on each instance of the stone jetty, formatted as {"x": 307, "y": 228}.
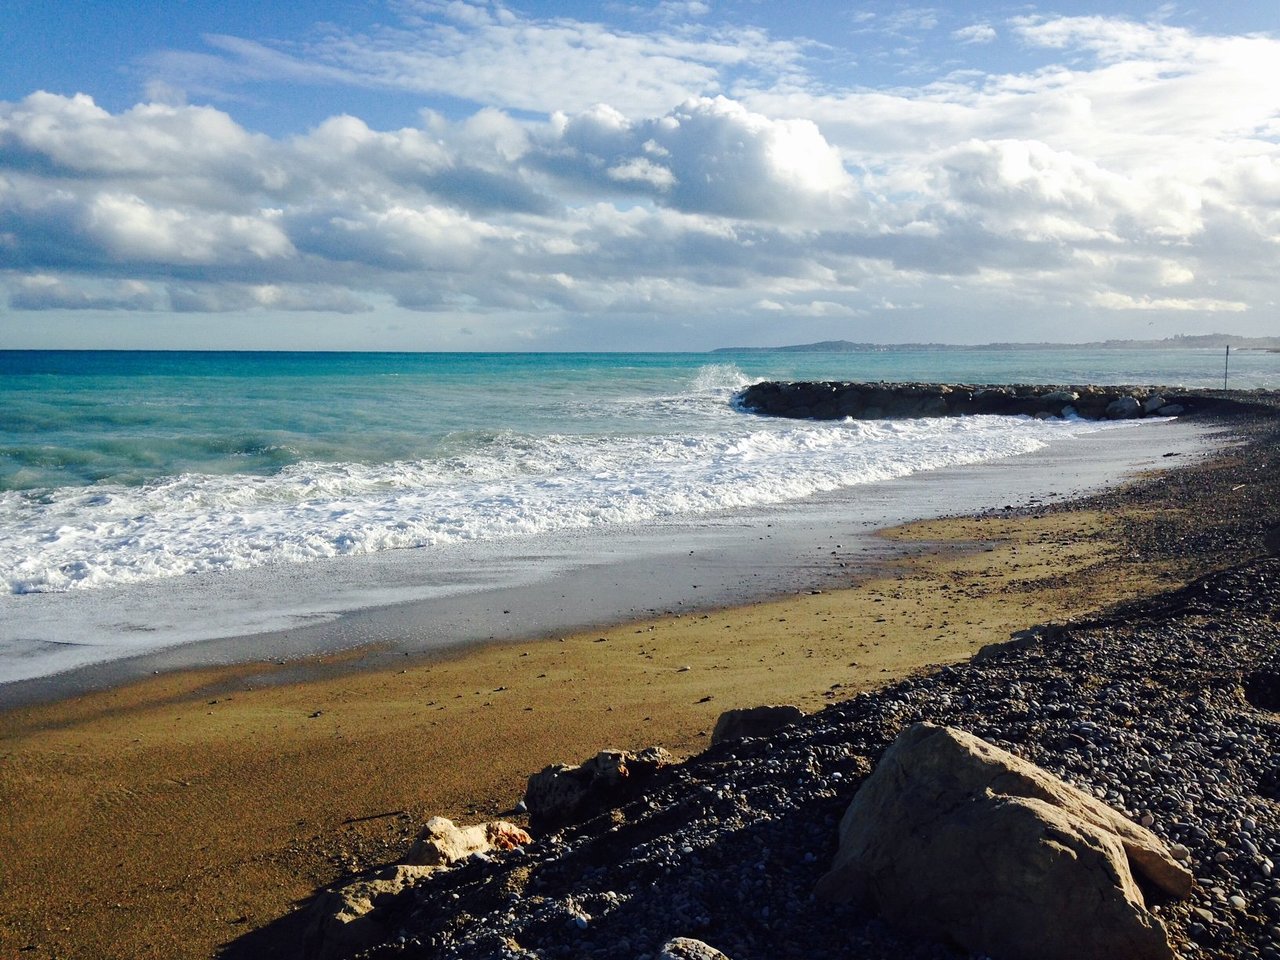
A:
{"x": 836, "y": 400}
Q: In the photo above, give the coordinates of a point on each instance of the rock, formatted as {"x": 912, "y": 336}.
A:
{"x": 560, "y": 794}
{"x": 441, "y": 843}
{"x": 1018, "y": 640}
{"x": 1124, "y": 408}
{"x": 872, "y": 401}
{"x": 1171, "y": 410}
{"x": 348, "y": 919}
{"x": 753, "y": 722}
{"x": 684, "y": 948}
{"x": 344, "y": 921}
{"x": 1060, "y": 397}
{"x": 960, "y": 841}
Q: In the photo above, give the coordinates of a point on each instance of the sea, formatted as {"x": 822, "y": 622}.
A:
{"x": 122, "y": 472}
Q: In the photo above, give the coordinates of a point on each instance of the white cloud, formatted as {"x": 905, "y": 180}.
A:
{"x": 1122, "y": 301}
{"x": 975, "y": 33}
{"x": 707, "y": 156}
{"x": 1111, "y": 38}
{"x": 642, "y": 170}
{"x": 489, "y": 54}
{"x": 129, "y": 228}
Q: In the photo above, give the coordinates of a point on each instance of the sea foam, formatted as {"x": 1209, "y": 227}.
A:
{"x": 481, "y": 486}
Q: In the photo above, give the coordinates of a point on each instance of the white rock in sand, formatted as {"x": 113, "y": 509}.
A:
{"x": 441, "y": 843}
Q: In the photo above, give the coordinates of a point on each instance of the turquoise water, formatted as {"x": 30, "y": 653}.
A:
{"x": 120, "y": 468}
{"x": 78, "y": 418}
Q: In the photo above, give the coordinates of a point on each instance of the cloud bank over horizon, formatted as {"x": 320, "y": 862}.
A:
{"x": 680, "y": 181}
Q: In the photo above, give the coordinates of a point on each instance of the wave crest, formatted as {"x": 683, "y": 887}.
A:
{"x": 720, "y": 378}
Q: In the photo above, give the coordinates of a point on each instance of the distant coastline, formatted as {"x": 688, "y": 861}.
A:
{"x": 1199, "y": 342}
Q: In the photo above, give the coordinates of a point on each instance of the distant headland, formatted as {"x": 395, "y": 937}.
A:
{"x": 1202, "y": 341}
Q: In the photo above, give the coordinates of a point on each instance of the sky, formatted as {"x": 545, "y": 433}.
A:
{"x": 456, "y": 175}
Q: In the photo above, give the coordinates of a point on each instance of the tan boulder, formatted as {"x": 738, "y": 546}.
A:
{"x": 958, "y": 840}
{"x": 753, "y": 722}
{"x": 441, "y": 843}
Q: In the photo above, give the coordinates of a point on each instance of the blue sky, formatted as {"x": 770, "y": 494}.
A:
{"x": 411, "y": 174}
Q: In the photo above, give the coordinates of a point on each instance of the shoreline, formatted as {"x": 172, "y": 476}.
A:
{"x": 394, "y": 603}
{"x": 118, "y": 804}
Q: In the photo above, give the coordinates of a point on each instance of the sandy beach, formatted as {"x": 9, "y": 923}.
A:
{"x": 173, "y": 816}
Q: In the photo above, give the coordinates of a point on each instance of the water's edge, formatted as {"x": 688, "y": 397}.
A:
{"x": 409, "y": 602}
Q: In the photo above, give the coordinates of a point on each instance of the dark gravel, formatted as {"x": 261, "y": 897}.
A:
{"x": 1163, "y": 708}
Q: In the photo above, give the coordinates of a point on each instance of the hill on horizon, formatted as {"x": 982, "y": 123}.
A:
{"x": 1198, "y": 341}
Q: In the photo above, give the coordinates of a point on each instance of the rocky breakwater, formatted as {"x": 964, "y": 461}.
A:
{"x": 836, "y": 400}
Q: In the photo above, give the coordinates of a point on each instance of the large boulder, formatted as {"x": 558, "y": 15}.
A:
{"x": 1124, "y": 408}
{"x": 753, "y": 722}
{"x": 960, "y": 841}
{"x": 560, "y": 795}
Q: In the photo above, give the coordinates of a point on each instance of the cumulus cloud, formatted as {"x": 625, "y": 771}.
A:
{"x": 706, "y": 156}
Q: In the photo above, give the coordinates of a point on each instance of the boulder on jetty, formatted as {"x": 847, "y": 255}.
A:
{"x": 560, "y": 794}
{"x": 348, "y": 919}
{"x": 836, "y": 400}
{"x": 958, "y": 840}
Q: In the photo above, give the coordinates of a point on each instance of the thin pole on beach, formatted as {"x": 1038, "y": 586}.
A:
{"x": 1226, "y": 364}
